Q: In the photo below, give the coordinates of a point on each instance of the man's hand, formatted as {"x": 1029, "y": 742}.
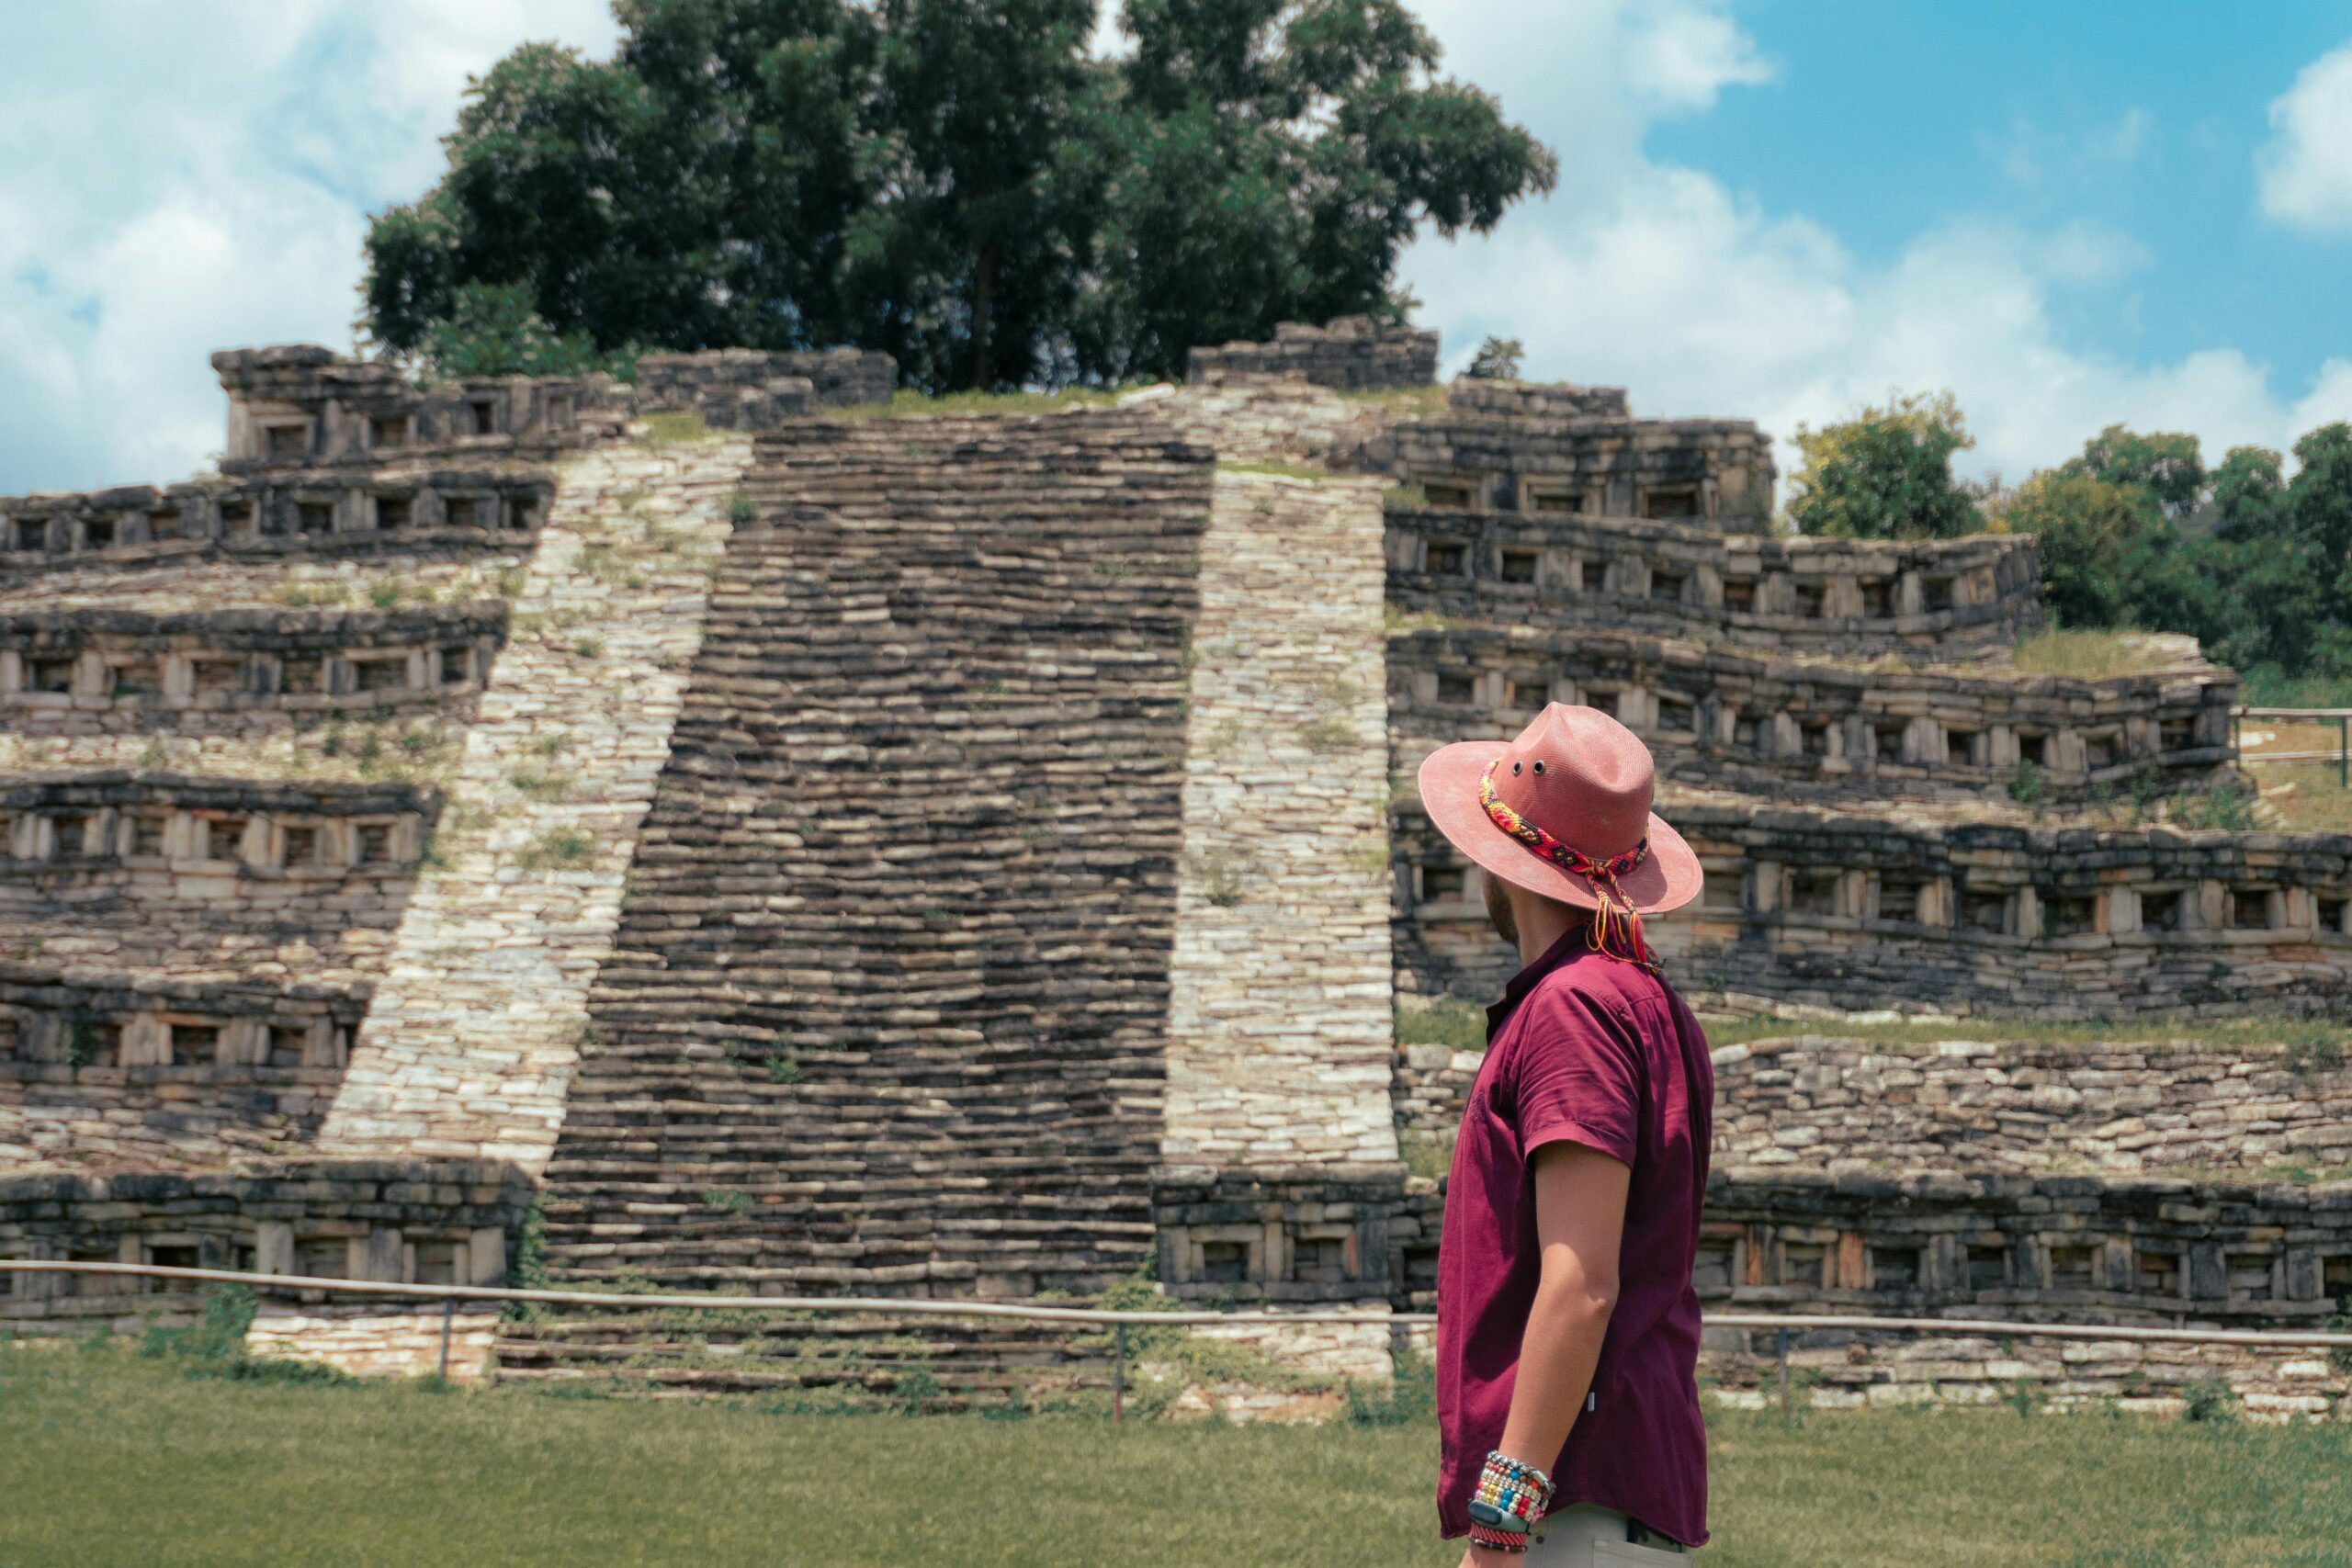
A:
{"x": 1479, "y": 1557}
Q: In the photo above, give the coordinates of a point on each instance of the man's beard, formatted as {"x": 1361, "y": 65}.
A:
{"x": 1498, "y": 909}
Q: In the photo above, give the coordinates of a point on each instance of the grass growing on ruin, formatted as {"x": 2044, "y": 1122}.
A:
{"x": 2090, "y": 655}
{"x": 918, "y": 405}
{"x": 107, "y": 1458}
{"x": 1307, "y": 471}
{"x": 678, "y": 430}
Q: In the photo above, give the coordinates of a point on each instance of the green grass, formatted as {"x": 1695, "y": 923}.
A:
{"x": 2265, "y": 686}
{"x": 2089, "y": 655}
{"x": 107, "y": 1459}
{"x": 1463, "y": 1026}
{"x": 2319, "y": 804}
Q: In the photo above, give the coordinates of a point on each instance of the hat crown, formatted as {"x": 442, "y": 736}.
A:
{"x": 1582, "y": 777}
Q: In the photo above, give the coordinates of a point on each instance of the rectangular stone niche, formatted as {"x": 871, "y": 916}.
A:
{"x": 1285, "y": 1234}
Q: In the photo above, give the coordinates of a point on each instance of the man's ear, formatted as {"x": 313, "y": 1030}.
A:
{"x": 1499, "y": 908}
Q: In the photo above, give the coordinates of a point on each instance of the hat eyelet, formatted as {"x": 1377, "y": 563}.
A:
{"x": 1539, "y": 765}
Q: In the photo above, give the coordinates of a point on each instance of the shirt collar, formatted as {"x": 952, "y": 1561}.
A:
{"x": 1571, "y": 943}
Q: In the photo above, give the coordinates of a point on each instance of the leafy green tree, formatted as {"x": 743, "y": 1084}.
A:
{"x": 491, "y": 329}
{"x": 960, "y": 182}
{"x": 2169, "y": 468}
{"x": 2091, "y": 536}
{"x": 1885, "y": 473}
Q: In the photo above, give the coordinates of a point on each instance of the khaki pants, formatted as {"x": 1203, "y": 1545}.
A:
{"x": 1586, "y": 1536}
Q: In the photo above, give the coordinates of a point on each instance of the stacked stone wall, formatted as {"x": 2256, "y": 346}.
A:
{"x": 1842, "y": 1104}
{"x": 1352, "y": 353}
{"x": 1728, "y": 719}
{"x": 1255, "y": 420}
{"x": 1838, "y": 1105}
{"x": 1944, "y": 601}
{"x": 1710, "y": 471}
{"x": 745, "y": 389}
{"x": 1477, "y": 398}
{"x": 394, "y": 1221}
{"x": 888, "y": 1005}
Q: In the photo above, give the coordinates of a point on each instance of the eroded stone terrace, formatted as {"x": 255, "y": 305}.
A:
{"x": 1727, "y": 719}
{"x": 1936, "y": 600}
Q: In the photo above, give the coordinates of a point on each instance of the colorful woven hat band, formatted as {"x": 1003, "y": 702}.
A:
{"x": 1616, "y": 924}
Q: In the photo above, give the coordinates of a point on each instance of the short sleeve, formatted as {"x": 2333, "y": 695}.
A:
{"x": 1578, "y": 1077}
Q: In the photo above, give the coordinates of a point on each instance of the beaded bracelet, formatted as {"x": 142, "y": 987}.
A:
{"x": 1510, "y": 1498}
{"x": 1487, "y": 1540}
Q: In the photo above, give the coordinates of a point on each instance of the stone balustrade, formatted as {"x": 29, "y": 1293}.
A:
{"x": 200, "y": 840}
{"x": 329, "y": 511}
{"x": 1945, "y": 599}
{"x": 158, "y": 1073}
{"x": 1709, "y": 472}
{"x": 1728, "y": 717}
{"x": 304, "y": 406}
{"x": 103, "y": 672}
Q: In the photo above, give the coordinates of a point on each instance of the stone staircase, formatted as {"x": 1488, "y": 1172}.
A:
{"x": 884, "y": 1009}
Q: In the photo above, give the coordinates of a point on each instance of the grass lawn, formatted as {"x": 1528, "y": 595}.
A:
{"x": 108, "y": 1459}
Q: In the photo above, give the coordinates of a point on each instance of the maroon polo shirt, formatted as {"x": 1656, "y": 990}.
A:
{"x": 1585, "y": 1049}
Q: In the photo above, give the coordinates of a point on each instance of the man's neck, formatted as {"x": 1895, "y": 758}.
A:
{"x": 1542, "y": 923}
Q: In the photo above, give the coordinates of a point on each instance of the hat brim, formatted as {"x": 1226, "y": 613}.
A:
{"x": 1668, "y": 878}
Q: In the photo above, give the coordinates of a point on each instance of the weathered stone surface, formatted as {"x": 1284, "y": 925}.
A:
{"x": 1353, "y": 354}
{"x": 746, "y": 389}
{"x": 476, "y": 1025}
{"x": 1278, "y": 1025}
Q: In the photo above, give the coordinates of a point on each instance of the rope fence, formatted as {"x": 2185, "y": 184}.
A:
{"x": 1785, "y": 1323}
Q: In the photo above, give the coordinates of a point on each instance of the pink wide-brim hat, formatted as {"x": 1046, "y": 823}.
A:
{"x": 1580, "y": 776}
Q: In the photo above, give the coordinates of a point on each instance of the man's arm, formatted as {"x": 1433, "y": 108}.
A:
{"x": 1579, "y": 1220}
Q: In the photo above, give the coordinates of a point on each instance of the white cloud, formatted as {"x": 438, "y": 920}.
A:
{"x": 2304, "y": 172}
{"x": 177, "y": 179}
{"x": 1660, "y": 279}
{"x": 1683, "y": 57}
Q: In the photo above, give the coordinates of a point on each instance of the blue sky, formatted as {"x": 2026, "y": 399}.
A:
{"x": 2068, "y": 214}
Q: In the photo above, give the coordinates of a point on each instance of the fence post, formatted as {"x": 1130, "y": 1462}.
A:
{"x": 1784, "y": 1374}
{"x": 1119, "y": 1380}
{"x": 2344, "y": 750}
{"x": 449, "y": 1309}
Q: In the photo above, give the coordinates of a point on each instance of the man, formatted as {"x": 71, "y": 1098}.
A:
{"x": 1567, "y": 1335}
